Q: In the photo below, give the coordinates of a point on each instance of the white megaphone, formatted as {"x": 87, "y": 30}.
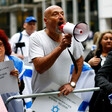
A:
{"x": 80, "y": 31}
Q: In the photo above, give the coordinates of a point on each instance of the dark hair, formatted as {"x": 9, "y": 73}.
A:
{"x": 4, "y": 39}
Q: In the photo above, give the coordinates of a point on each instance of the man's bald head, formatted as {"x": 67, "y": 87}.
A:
{"x": 49, "y": 9}
{"x": 53, "y": 18}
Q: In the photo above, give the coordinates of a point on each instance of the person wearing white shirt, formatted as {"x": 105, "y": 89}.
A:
{"x": 29, "y": 27}
{"x": 50, "y": 56}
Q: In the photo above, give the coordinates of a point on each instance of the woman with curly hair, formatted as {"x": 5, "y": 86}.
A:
{"x": 5, "y": 55}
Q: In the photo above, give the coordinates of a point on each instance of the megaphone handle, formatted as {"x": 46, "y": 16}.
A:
{"x": 73, "y": 60}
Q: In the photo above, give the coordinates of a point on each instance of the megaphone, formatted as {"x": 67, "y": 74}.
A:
{"x": 80, "y": 31}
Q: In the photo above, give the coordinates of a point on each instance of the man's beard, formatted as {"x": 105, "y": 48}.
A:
{"x": 57, "y": 30}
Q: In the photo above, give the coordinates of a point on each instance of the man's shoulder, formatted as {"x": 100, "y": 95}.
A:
{"x": 16, "y": 35}
{"x": 15, "y": 38}
{"x": 37, "y": 34}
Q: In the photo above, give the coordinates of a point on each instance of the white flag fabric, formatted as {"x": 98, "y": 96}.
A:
{"x": 27, "y": 76}
{"x": 86, "y": 80}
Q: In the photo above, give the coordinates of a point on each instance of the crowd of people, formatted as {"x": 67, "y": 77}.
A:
{"x": 46, "y": 57}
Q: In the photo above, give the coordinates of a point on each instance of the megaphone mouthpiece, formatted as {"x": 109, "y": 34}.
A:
{"x": 61, "y": 27}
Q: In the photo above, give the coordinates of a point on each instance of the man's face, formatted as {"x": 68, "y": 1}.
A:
{"x": 30, "y": 27}
{"x": 54, "y": 18}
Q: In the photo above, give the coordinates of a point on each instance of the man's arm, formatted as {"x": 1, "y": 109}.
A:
{"x": 66, "y": 89}
{"x": 44, "y": 63}
{"x": 75, "y": 76}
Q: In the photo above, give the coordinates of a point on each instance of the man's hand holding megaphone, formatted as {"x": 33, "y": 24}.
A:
{"x": 66, "y": 41}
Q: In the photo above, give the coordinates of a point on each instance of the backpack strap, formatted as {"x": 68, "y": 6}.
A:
{"x": 18, "y": 41}
{"x": 20, "y": 37}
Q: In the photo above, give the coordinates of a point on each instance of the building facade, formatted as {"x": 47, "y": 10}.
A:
{"x": 14, "y": 12}
{"x": 105, "y": 15}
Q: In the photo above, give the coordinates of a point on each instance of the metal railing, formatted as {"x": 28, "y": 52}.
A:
{"x": 48, "y": 93}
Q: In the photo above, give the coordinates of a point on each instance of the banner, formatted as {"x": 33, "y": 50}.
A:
{"x": 8, "y": 83}
{"x": 53, "y": 103}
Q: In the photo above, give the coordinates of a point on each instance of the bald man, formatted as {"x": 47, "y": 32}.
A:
{"x": 49, "y": 54}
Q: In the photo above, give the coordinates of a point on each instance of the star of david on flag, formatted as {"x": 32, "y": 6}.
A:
{"x": 55, "y": 108}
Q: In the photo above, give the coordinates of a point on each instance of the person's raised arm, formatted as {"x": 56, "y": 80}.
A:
{"x": 44, "y": 63}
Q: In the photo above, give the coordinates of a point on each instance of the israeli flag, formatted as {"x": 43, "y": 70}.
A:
{"x": 27, "y": 76}
{"x": 25, "y": 73}
{"x": 86, "y": 80}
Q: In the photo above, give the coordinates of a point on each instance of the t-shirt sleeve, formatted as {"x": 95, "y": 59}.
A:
{"x": 78, "y": 49}
{"x": 35, "y": 46}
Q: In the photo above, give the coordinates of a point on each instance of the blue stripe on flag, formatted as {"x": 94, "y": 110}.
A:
{"x": 83, "y": 106}
{"x": 18, "y": 63}
{"x": 28, "y": 104}
{"x": 86, "y": 68}
{"x": 71, "y": 69}
{"x": 28, "y": 73}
